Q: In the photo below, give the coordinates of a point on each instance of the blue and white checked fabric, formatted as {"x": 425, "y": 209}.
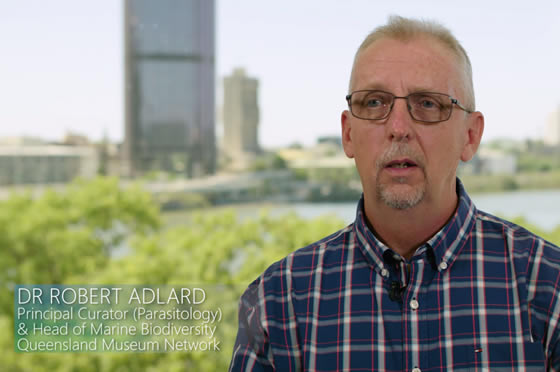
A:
{"x": 483, "y": 294}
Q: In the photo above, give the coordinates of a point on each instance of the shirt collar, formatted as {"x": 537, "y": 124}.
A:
{"x": 445, "y": 244}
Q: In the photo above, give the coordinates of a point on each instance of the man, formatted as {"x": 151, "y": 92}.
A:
{"x": 422, "y": 280}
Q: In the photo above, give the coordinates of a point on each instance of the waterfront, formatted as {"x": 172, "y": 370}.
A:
{"x": 541, "y": 208}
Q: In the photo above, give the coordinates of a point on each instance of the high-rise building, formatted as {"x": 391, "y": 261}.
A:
{"x": 241, "y": 118}
{"x": 169, "y": 87}
{"x": 552, "y": 131}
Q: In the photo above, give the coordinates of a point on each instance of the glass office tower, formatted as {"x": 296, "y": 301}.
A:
{"x": 169, "y": 87}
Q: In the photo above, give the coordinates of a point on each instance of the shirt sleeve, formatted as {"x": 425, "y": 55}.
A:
{"x": 549, "y": 276}
{"x": 252, "y": 347}
{"x": 554, "y": 345}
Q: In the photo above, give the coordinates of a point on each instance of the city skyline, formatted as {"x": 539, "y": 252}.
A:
{"x": 62, "y": 66}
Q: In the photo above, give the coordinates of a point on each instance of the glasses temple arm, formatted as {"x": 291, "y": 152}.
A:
{"x": 456, "y": 102}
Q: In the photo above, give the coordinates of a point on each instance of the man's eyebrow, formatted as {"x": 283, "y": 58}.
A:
{"x": 416, "y": 89}
{"x": 420, "y": 89}
{"x": 374, "y": 86}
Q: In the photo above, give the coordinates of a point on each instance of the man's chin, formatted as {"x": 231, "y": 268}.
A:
{"x": 400, "y": 196}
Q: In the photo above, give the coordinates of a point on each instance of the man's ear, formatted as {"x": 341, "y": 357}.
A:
{"x": 475, "y": 128}
{"x": 347, "y": 143}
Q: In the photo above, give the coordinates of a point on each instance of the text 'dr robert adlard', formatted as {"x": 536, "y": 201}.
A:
{"x": 109, "y": 296}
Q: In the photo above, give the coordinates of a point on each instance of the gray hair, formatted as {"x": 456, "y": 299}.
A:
{"x": 406, "y": 29}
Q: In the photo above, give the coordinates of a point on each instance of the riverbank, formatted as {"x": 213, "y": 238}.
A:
{"x": 483, "y": 183}
{"x": 537, "y": 207}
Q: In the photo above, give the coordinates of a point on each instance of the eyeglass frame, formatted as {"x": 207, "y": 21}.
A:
{"x": 454, "y": 101}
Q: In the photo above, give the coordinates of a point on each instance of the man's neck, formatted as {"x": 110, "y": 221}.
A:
{"x": 405, "y": 230}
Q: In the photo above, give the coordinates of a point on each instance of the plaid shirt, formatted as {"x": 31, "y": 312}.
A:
{"x": 482, "y": 294}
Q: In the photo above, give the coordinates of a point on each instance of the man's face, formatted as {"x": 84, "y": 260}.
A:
{"x": 403, "y": 163}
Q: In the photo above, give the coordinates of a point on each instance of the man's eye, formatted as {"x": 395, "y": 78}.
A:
{"x": 373, "y": 102}
{"x": 427, "y": 103}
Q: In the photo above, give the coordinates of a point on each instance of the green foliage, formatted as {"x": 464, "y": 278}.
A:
{"x": 218, "y": 251}
{"x": 509, "y": 183}
{"x": 169, "y": 201}
{"x": 476, "y": 183}
{"x": 335, "y": 176}
{"x": 60, "y": 234}
{"x": 534, "y": 162}
{"x": 331, "y": 184}
{"x": 68, "y": 237}
{"x": 268, "y": 162}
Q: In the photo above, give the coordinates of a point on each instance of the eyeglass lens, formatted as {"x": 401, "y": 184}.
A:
{"x": 375, "y": 105}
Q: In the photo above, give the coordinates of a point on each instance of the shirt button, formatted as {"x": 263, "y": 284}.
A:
{"x": 443, "y": 265}
{"x": 416, "y": 369}
{"x": 384, "y": 273}
{"x": 414, "y": 305}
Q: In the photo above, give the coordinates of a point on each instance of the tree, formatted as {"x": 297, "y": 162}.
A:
{"x": 70, "y": 237}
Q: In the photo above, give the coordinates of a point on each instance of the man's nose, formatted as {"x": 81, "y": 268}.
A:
{"x": 400, "y": 123}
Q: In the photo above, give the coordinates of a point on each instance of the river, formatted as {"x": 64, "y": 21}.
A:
{"x": 541, "y": 208}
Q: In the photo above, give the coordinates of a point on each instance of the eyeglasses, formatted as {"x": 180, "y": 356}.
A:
{"x": 425, "y": 107}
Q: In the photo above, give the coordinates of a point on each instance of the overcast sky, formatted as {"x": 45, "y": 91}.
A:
{"x": 61, "y": 61}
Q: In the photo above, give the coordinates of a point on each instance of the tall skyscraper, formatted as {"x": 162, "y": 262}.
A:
{"x": 241, "y": 118}
{"x": 169, "y": 87}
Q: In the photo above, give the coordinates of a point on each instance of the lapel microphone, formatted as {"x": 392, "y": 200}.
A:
{"x": 396, "y": 292}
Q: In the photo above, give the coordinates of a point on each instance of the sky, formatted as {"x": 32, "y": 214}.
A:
{"x": 61, "y": 62}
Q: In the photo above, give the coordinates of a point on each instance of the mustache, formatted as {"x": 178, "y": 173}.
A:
{"x": 399, "y": 150}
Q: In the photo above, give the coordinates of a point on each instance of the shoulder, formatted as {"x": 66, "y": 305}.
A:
{"x": 492, "y": 227}
{"x": 534, "y": 257}
{"x": 302, "y": 263}
{"x": 307, "y": 259}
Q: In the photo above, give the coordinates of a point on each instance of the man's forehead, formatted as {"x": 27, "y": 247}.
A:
{"x": 407, "y": 51}
{"x": 422, "y": 59}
